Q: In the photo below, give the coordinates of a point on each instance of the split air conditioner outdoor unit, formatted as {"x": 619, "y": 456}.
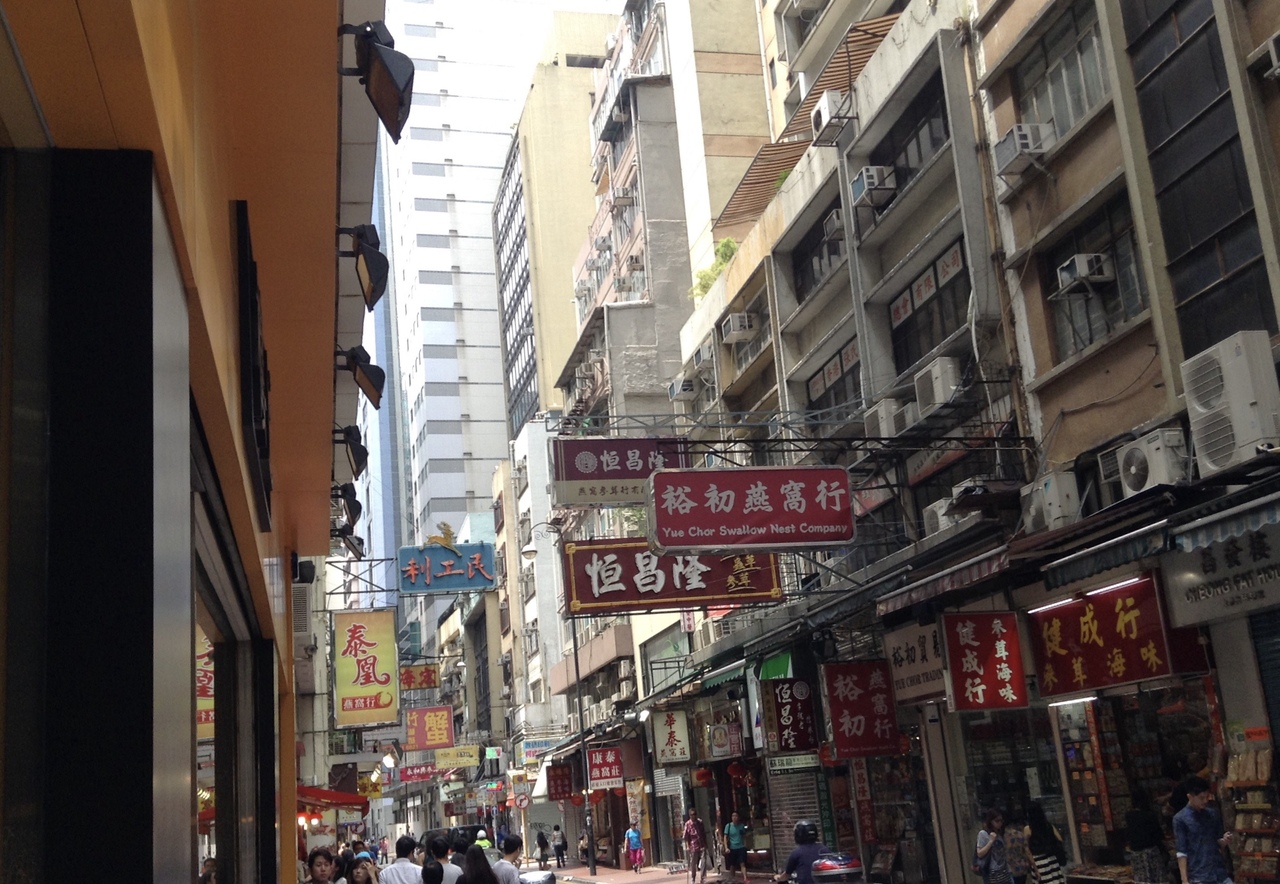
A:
{"x": 1052, "y": 501}
{"x": 738, "y": 327}
{"x": 827, "y": 116}
{"x": 623, "y": 284}
{"x": 1021, "y": 146}
{"x": 1233, "y": 401}
{"x": 1158, "y": 458}
{"x": 936, "y": 384}
{"x": 582, "y": 289}
{"x": 1083, "y": 270}
{"x": 873, "y": 186}
{"x": 889, "y": 418}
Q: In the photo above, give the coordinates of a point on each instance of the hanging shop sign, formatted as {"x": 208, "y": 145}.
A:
{"x": 365, "y": 691}
{"x": 758, "y": 508}
{"x": 779, "y": 764}
{"x": 862, "y": 801}
{"x": 559, "y": 782}
{"x": 530, "y": 750}
{"x": 860, "y": 708}
{"x": 724, "y": 740}
{"x": 671, "y": 737}
{"x": 614, "y": 576}
{"x": 204, "y": 686}
{"x": 413, "y": 773}
{"x": 444, "y": 565}
{"x": 788, "y": 716}
{"x": 604, "y": 768}
{"x": 916, "y": 663}
{"x": 416, "y": 678}
{"x": 984, "y": 661}
{"x": 430, "y": 727}
{"x": 599, "y": 470}
{"x": 1224, "y": 579}
{"x": 458, "y": 756}
{"x": 1110, "y": 637}
{"x": 367, "y": 786}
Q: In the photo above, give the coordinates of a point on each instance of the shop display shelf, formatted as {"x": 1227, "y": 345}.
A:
{"x": 1245, "y": 784}
{"x": 1253, "y": 807}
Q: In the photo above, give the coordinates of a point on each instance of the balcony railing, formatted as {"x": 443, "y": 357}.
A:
{"x": 627, "y": 66}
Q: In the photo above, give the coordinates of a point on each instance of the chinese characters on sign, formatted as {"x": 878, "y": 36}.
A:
{"x": 915, "y": 660}
{"x": 1226, "y": 578}
{"x": 984, "y": 660}
{"x": 204, "y": 686}
{"x": 458, "y": 756}
{"x": 671, "y": 737}
{"x": 411, "y": 773}
{"x": 445, "y": 567}
{"x": 606, "y": 470}
{"x": 428, "y": 728}
{"x": 860, "y": 708}
{"x": 416, "y": 678}
{"x": 750, "y": 508}
{"x": 365, "y": 689}
{"x": 789, "y": 720}
{"x": 604, "y": 768}
{"x": 623, "y": 575}
{"x": 559, "y": 782}
{"x": 1107, "y": 638}
{"x": 862, "y": 800}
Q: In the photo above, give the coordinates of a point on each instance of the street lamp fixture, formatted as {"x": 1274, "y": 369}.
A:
{"x": 387, "y": 75}
{"x": 357, "y": 454}
{"x": 372, "y": 267}
{"x": 370, "y": 378}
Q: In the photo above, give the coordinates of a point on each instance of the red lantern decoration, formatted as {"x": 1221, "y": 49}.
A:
{"x": 577, "y": 800}
{"x": 620, "y": 791}
{"x": 737, "y": 770}
{"x": 596, "y": 796}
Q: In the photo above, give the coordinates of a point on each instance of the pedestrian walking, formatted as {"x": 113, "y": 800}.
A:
{"x": 1197, "y": 831}
{"x": 1044, "y": 842}
{"x": 403, "y": 870}
{"x": 544, "y": 848}
{"x": 695, "y": 842}
{"x": 635, "y": 846}
{"x": 1145, "y": 837}
{"x": 989, "y": 852}
{"x": 507, "y": 869}
{"x": 734, "y": 841}
{"x": 560, "y": 844}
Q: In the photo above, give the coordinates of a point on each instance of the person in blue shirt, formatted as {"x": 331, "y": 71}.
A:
{"x": 1198, "y": 834}
{"x": 635, "y": 847}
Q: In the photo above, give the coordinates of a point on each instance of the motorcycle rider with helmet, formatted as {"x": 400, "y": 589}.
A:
{"x": 808, "y": 849}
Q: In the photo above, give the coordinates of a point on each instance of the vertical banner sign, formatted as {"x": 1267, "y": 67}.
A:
{"x": 792, "y": 726}
{"x": 428, "y": 728}
{"x": 1109, "y": 637}
{"x": 604, "y": 768}
{"x": 984, "y": 661}
{"x": 862, "y": 802}
{"x": 204, "y": 686}
{"x": 860, "y": 708}
{"x": 559, "y": 782}
{"x": 365, "y": 690}
{"x": 671, "y": 737}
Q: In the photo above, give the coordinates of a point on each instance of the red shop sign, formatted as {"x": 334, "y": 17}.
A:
{"x": 605, "y": 470}
{"x": 860, "y": 708}
{"x": 758, "y": 508}
{"x": 984, "y": 660}
{"x": 1112, "y": 636}
{"x": 559, "y": 782}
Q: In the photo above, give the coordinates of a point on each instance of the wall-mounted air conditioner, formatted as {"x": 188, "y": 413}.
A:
{"x": 827, "y": 116}
{"x": 873, "y": 186}
{"x": 1081, "y": 271}
{"x": 1158, "y": 458}
{"x": 683, "y": 389}
{"x": 703, "y": 355}
{"x": 635, "y": 262}
{"x": 1021, "y": 146}
{"x": 936, "y": 383}
{"x": 889, "y": 418}
{"x": 1233, "y": 401}
{"x": 603, "y": 244}
{"x": 1051, "y": 501}
{"x": 624, "y": 196}
{"x": 936, "y": 518}
{"x": 618, "y": 115}
{"x": 623, "y": 284}
{"x": 582, "y": 289}
{"x": 833, "y": 225}
{"x": 738, "y": 327}
{"x": 626, "y": 667}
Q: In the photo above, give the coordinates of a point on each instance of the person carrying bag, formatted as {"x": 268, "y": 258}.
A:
{"x": 989, "y": 852}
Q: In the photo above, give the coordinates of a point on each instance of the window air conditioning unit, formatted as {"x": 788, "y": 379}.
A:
{"x": 582, "y": 289}
{"x": 888, "y": 418}
{"x": 936, "y": 518}
{"x": 618, "y": 115}
{"x": 682, "y": 389}
{"x": 873, "y": 186}
{"x": 626, "y": 667}
{"x": 1273, "y": 58}
{"x": 703, "y": 355}
{"x": 936, "y": 384}
{"x": 1021, "y": 145}
{"x": 635, "y": 262}
{"x": 506, "y": 690}
{"x": 627, "y": 689}
{"x": 624, "y": 196}
{"x": 603, "y": 244}
{"x": 506, "y": 658}
{"x": 1051, "y": 501}
{"x": 827, "y": 116}
{"x": 1084, "y": 270}
{"x": 833, "y": 225}
{"x": 1158, "y": 458}
{"x": 738, "y": 327}
{"x": 1233, "y": 401}
{"x": 623, "y": 284}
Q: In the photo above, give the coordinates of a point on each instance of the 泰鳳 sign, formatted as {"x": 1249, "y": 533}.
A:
{"x": 365, "y": 689}
{"x": 445, "y": 565}
{"x": 624, "y": 575}
{"x": 601, "y": 470}
{"x": 758, "y": 508}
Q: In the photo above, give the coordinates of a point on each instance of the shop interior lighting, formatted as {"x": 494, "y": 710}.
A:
{"x": 369, "y": 378}
{"x": 357, "y": 454}
{"x": 387, "y": 75}
{"x": 1088, "y": 699}
{"x": 372, "y": 267}
{"x": 1052, "y": 605}
{"x": 1113, "y": 587}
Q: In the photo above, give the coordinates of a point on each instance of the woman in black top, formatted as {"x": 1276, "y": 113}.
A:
{"x": 476, "y": 868}
{"x": 1044, "y": 843}
{"x": 1145, "y": 841}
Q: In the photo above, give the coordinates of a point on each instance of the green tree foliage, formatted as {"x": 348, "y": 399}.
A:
{"x": 706, "y": 277}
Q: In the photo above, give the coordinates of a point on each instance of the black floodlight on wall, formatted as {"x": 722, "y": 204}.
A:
{"x": 357, "y": 454}
{"x": 372, "y": 267}
{"x": 351, "y": 507}
{"x": 354, "y": 544}
{"x": 369, "y": 378}
{"x": 387, "y": 75}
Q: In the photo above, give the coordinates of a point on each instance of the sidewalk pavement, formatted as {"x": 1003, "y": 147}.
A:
{"x": 576, "y": 873}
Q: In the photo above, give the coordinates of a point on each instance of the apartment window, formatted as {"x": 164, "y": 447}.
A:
{"x": 435, "y": 170}
{"x": 422, "y": 204}
{"x": 435, "y": 277}
{"x": 816, "y": 255}
{"x": 1088, "y": 313}
{"x": 745, "y": 352}
{"x": 931, "y": 309}
{"x": 419, "y": 31}
{"x": 835, "y": 390}
{"x": 428, "y": 65}
{"x": 434, "y": 241}
{"x": 425, "y": 133}
{"x": 1062, "y": 78}
{"x": 919, "y": 133}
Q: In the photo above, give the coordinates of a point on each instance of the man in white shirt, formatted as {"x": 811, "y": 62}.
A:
{"x": 403, "y": 870}
{"x": 507, "y": 869}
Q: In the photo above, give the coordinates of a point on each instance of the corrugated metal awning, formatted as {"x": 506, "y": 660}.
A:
{"x": 1148, "y": 540}
{"x": 965, "y": 574}
{"x": 1235, "y": 522}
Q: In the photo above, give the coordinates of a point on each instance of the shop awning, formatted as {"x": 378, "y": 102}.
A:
{"x": 539, "y": 792}
{"x": 717, "y": 677}
{"x": 1235, "y": 522}
{"x": 960, "y": 576}
{"x": 777, "y": 666}
{"x": 1148, "y": 540}
{"x": 314, "y": 796}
